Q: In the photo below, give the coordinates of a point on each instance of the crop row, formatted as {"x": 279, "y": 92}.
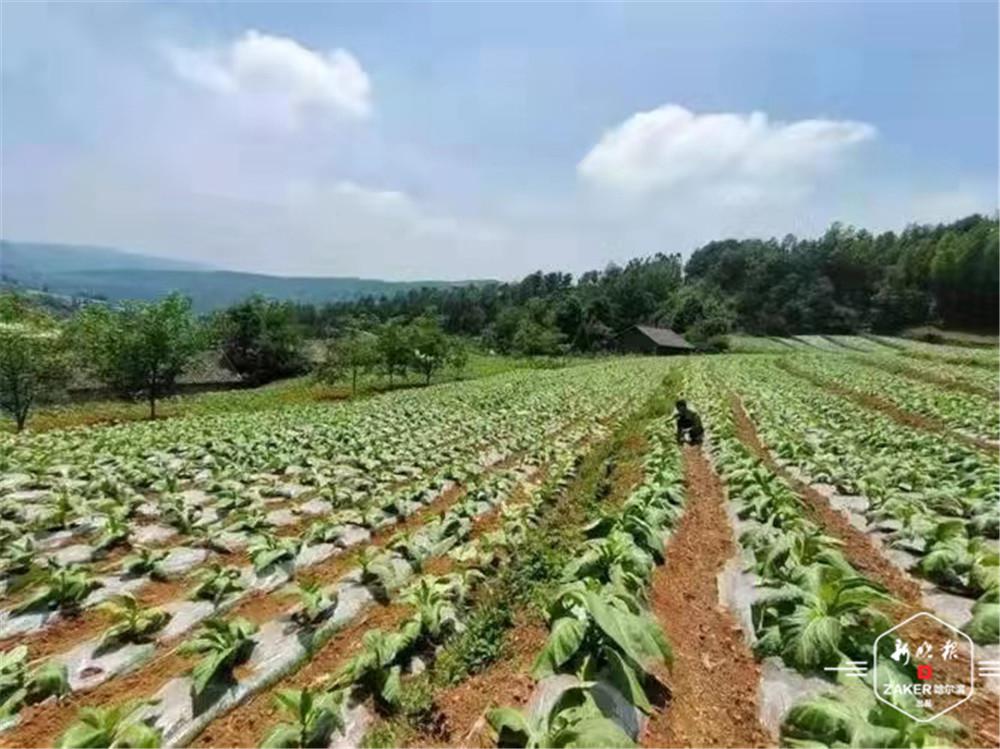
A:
{"x": 309, "y": 442}
{"x": 805, "y": 608}
{"x": 605, "y": 655}
{"x": 225, "y": 505}
{"x": 279, "y": 563}
{"x": 977, "y": 380}
{"x": 860, "y": 343}
{"x": 961, "y": 411}
{"x": 935, "y": 503}
{"x": 941, "y": 353}
{"x": 280, "y": 643}
{"x": 432, "y": 607}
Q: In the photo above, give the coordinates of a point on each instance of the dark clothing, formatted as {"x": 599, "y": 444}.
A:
{"x": 689, "y": 423}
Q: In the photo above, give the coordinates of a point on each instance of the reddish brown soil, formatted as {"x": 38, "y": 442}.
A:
{"x": 231, "y": 729}
{"x": 246, "y": 725}
{"x": 959, "y": 386}
{"x": 42, "y": 724}
{"x": 895, "y": 413}
{"x": 73, "y": 630}
{"x": 714, "y": 679}
{"x": 981, "y": 714}
{"x": 39, "y": 722}
{"x": 858, "y": 547}
{"x": 460, "y": 712}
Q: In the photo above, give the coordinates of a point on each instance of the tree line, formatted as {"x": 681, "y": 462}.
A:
{"x": 139, "y": 350}
{"x": 846, "y": 281}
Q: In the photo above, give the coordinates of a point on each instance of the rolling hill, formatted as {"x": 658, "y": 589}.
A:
{"x": 116, "y": 275}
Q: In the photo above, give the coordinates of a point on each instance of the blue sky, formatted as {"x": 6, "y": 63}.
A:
{"x": 456, "y": 140}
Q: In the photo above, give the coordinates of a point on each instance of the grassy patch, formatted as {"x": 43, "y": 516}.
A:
{"x": 291, "y": 392}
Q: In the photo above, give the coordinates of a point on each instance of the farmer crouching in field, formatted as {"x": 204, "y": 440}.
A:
{"x": 689, "y": 426}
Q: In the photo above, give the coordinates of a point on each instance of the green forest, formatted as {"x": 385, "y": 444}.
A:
{"x": 846, "y": 281}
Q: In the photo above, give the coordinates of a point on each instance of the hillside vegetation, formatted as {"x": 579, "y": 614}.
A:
{"x": 846, "y": 281}
{"x": 112, "y": 275}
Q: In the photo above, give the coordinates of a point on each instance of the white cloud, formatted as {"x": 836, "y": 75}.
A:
{"x": 395, "y": 213}
{"x": 161, "y": 168}
{"x": 302, "y": 225}
{"x": 735, "y": 158}
{"x": 276, "y": 75}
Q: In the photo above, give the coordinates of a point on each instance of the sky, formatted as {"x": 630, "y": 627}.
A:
{"x": 487, "y": 140}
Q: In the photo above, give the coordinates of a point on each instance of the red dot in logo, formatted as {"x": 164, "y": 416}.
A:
{"x": 925, "y": 672}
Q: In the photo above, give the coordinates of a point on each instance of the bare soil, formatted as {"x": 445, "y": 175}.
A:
{"x": 247, "y": 724}
{"x": 980, "y": 714}
{"x": 858, "y": 547}
{"x": 897, "y": 414}
{"x": 714, "y": 679}
{"x": 460, "y": 711}
{"x": 920, "y": 375}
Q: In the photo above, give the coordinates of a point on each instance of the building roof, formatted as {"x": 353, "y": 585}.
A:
{"x": 664, "y": 337}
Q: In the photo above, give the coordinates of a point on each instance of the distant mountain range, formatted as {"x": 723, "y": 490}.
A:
{"x": 116, "y": 275}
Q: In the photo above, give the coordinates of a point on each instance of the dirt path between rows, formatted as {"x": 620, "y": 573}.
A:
{"x": 906, "y": 418}
{"x": 41, "y": 724}
{"x": 714, "y": 679}
{"x": 858, "y": 547}
{"x": 979, "y": 714}
{"x": 959, "y": 386}
{"x": 460, "y": 711}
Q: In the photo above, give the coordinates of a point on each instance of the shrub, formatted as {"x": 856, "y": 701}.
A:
{"x": 260, "y": 340}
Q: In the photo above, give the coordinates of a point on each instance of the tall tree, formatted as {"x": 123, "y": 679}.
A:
{"x": 429, "y": 346}
{"x": 260, "y": 340}
{"x": 33, "y": 362}
{"x": 393, "y": 349}
{"x": 139, "y": 350}
{"x": 354, "y": 353}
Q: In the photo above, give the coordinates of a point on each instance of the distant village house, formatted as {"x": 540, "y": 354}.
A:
{"x": 643, "y": 339}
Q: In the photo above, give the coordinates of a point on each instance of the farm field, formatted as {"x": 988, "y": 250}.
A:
{"x": 527, "y": 558}
{"x": 293, "y": 391}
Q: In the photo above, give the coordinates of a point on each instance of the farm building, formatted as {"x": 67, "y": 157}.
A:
{"x": 643, "y": 339}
